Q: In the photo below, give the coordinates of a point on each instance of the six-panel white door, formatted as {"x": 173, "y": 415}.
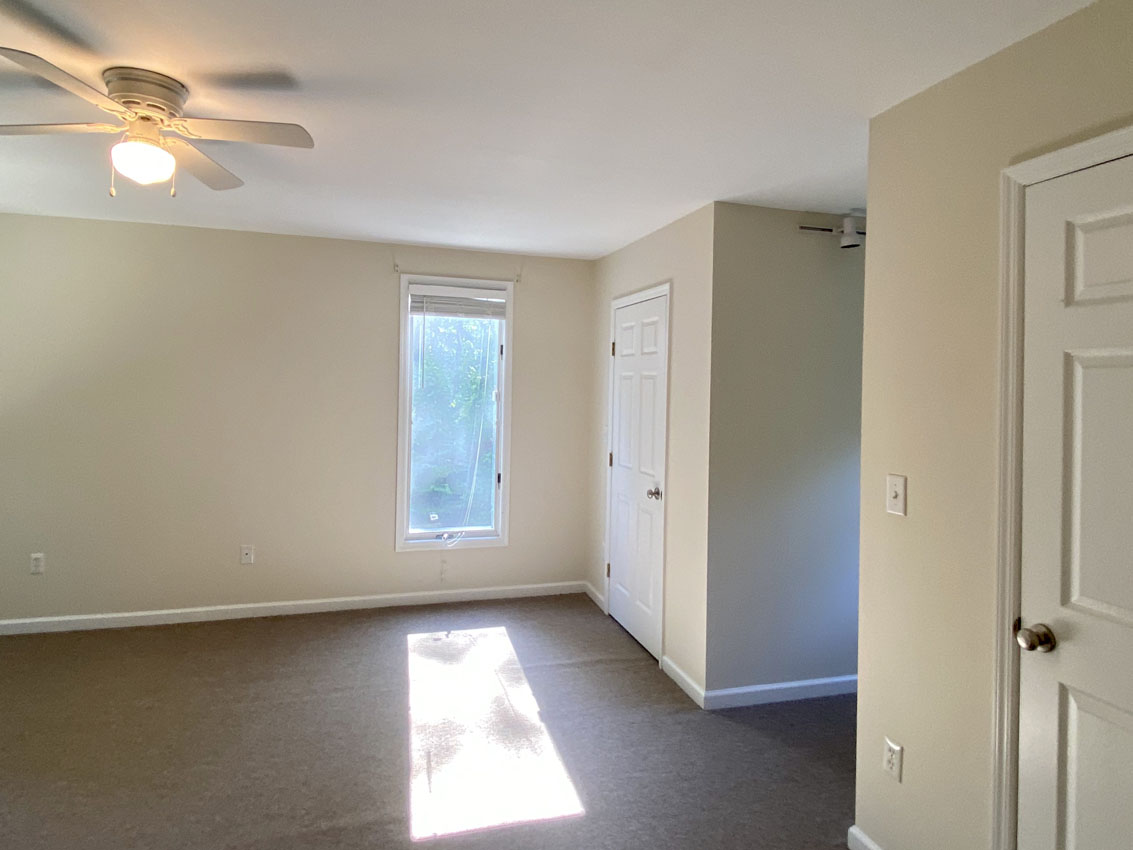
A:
{"x": 637, "y": 515}
{"x": 1076, "y": 702}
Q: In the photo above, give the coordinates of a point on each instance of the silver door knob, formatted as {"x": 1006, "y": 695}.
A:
{"x": 655, "y": 493}
{"x": 1038, "y": 637}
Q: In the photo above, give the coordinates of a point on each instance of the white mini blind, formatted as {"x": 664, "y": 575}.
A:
{"x": 490, "y": 305}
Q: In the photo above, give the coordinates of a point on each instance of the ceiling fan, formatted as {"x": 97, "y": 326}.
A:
{"x": 155, "y": 133}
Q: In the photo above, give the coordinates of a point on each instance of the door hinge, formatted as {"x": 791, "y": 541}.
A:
{"x": 607, "y": 569}
{"x": 501, "y": 349}
{"x": 611, "y": 458}
{"x": 499, "y": 478}
{"x": 613, "y": 348}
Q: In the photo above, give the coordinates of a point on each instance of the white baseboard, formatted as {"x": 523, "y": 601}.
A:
{"x": 779, "y": 692}
{"x": 688, "y": 685}
{"x": 757, "y": 694}
{"x": 595, "y": 597}
{"x": 80, "y": 622}
{"x": 858, "y": 840}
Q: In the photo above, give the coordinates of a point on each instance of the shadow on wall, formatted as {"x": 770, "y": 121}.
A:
{"x": 1074, "y": 138}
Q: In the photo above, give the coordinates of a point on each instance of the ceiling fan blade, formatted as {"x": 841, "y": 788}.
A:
{"x": 55, "y": 129}
{"x": 40, "y": 66}
{"x": 250, "y": 79}
{"x": 201, "y": 166}
{"x": 260, "y": 132}
{"x": 36, "y": 19}
{"x": 14, "y": 79}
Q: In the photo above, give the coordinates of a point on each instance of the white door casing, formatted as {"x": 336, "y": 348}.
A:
{"x": 638, "y": 425}
{"x": 1075, "y": 722}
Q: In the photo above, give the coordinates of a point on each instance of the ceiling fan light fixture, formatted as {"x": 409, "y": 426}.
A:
{"x": 142, "y": 161}
{"x": 147, "y": 106}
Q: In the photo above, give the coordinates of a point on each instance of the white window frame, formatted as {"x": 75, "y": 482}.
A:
{"x": 453, "y": 286}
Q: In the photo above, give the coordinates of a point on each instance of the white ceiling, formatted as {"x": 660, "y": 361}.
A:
{"x": 565, "y": 127}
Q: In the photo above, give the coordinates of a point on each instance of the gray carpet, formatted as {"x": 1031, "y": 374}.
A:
{"x": 292, "y": 733}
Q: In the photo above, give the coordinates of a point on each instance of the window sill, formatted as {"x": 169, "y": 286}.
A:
{"x": 464, "y": 543}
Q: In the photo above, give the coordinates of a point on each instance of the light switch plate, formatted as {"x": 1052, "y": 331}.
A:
{"x": 895, "y": 502}
{"x": 38, "y": 564}
{"x": 247, "y": 554}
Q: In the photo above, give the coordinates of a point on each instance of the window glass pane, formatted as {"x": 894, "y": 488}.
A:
{"x": 455, "y": 375}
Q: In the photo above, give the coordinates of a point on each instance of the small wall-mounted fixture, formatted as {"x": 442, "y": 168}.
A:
{"x": 851, "y": 235}
{"x": 851, "y": 231}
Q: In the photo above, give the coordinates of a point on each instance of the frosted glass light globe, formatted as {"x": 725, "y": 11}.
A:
{"x": 142, "y": 161}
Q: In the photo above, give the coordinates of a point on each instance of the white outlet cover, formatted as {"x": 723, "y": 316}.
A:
{"x": 892, "y": 761}
{"x": 38, "y": 563}
{"x": 247, "y": 554}
{"x": 895, "y": 501}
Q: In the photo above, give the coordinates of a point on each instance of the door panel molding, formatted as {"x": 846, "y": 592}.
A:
{"x": 1014, "y": 181}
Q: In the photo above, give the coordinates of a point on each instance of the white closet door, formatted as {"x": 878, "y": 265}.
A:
{"x": 637, "y": 513}
{"x": 1076, "y": 701}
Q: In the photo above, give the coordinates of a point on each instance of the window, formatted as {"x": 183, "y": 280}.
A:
{"x": 452, "y": 467}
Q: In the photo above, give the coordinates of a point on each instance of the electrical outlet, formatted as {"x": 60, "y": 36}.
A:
{"x": 247, "y": 554}
{"x": 893, "y": 760}
{"x": 895, "y": 501}
{"x": 38, "y": 564}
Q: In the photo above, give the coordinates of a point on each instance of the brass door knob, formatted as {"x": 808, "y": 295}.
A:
{"x": 1038, "y": 637}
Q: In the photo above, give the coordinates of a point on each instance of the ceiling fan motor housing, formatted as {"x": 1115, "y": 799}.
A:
{"x": 146, "y": 93}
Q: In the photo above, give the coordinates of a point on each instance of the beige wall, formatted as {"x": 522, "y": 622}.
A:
{"x": 929, "y": 411}
{"x": 168, "y": 393}
{"x": 681, "y": 253}
{"x": 785, "y": 441}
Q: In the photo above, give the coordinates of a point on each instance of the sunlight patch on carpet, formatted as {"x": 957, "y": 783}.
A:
{"x": 481, "y": 756}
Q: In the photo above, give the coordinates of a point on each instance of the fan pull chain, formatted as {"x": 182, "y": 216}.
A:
{"x": 173, "y": 185}
{"x": 110, "y": 159}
